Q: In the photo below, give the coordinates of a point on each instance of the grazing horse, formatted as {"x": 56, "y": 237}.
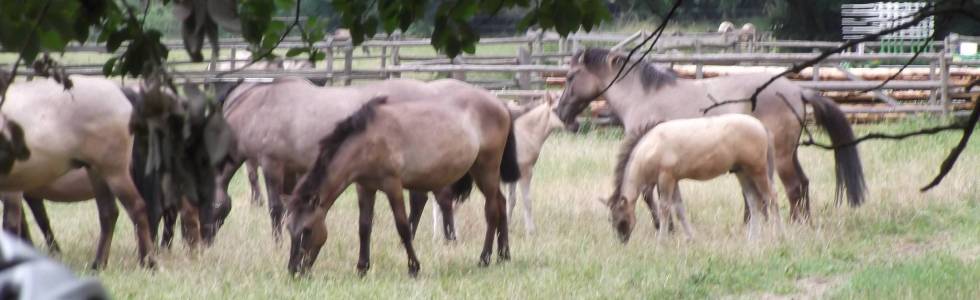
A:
{"x": 176, "y": 188}
{"x": 699, "y": 149}
{"x": 532, "y": 126}
{"x": 278, "y": 126}
{"x": 415, "y": 145}
{"x": 648, "y": 94}
{"x": 48, "y": 131}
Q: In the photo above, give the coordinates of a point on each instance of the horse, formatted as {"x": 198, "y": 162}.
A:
{"x": 701, "y": 149}
{"x": 532, "y": 126}
{"x": 49, "y": 130}
{"x": 278, "y": 125}
{"x": 181, "y": 187}
{"x": 649, "y": 94}
{"x": 415, "y": 145}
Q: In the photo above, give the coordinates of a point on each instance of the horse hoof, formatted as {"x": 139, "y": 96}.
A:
{"x": 362, "y": 269}
{"x": 484, "y": 260}
{"x": 413, "y": 270}
{"x": 148, "y": 263}
{"x": 96, "y": 266}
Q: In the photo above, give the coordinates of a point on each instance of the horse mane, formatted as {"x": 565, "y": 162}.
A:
{"x": 624, "y": 156}
{"x": 595, "y": 60}
{"x": 352, "y": 125}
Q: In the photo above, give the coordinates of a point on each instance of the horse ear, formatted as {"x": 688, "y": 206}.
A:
{"x": 616, "y": 59}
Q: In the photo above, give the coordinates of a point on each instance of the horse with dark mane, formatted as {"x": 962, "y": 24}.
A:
{"x": 415, "y": 145}
{"x": 649, "y": 94}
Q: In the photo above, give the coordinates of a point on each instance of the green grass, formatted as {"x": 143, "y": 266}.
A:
{"x": 901, "y": 244}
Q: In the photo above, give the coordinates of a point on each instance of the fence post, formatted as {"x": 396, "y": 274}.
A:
{"x": 234, "y": 58}
{"x": 329, "y": 61}
{"x": 395, "y": 61}
{"x": 944, "y": 77}
{"x": 348, "y": 63}
{"x": 458, "y": 75}
{"x": 523, "y": 58}
{"x": 384, "y": 59}
{"x": 699, "y": 69}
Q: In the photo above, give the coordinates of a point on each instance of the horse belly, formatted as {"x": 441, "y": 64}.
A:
{"x": 437, "y": 162}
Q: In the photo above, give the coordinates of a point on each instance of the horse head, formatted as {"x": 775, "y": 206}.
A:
{"x": 622, "y": 215}
{"x": 13, "y": 146}
{"x": 589, "y": 72}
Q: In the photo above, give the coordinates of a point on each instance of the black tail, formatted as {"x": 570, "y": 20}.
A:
{"x": 510, "y": 170}
{"x": 462, "y": 187}
{"x": 351, "y": 126}
{"x": 850, "y": 174}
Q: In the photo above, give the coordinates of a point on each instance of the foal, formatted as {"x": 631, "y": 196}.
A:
{"x": 700, "y": 149}
{"x": 532, "y": 126}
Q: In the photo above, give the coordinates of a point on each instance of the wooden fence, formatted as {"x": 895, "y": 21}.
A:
{"x": 540, "y": 59}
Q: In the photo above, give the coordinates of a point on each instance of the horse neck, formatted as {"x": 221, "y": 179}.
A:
{"x": 625, "y": 96}
{"x": 535, "y": 125}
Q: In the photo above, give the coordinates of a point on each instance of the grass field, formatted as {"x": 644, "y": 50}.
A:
{"x": 901, "y": 244}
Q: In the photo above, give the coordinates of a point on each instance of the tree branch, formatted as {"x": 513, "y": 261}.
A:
{"x": 655, "y": 35}
{"x": 269, "y": 51}
{"x": 20, "y": 54}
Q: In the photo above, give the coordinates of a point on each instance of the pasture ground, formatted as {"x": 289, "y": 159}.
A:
{"x": 901, "y": 244}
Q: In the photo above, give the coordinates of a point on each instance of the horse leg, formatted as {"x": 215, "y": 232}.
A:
{"x": 274, "y": 176}
{"x": 655, "y": 212}
{"x": 169, "y": 222}
{"x": 665, "y": 189}
{"x": 222, "y": 201}
{"x": 253, "y": 182}
{"x": 190, "y": 223}
{"x": 681, "y": 214}
{"x": 41, "y": 217}
{"x": 416, "y": 203}
{"x": 365, "y": 202}
{"x": 511, "y": 200}
{"x": 122, "y": 186}
{"x": 436, "y": 222}
{"x": 488, "y": 181}
{"x": 445, "y": 202}
{"x": 525, "y": 184}
{"x": 108, "y": 214}
{"x": 13, "y": 215}
{"x": 795, "y": 183}
{"x": 393, "y": 189}
{"x": 753, "y": 201}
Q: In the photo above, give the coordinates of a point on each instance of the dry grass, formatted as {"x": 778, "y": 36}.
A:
{"x": 902, "y": 243}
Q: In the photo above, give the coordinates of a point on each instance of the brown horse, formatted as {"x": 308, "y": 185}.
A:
{"x": 648, "y": 95}
{"x": 699, "y": 149}
{"x": 533, "y": 124}
{"x": 278, "y": 125}
{"x": 415, "y": 145}
{"x": 86, "y": 126}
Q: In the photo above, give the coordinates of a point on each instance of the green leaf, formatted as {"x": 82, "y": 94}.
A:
{"x": 318, "y": 56}
{"x": 51, "y": 40}
{"x": 108, "y": 66}
{"x": 297, "y": 51}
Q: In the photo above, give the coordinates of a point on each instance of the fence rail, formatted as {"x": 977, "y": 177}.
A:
{"x": 537, "y": 57}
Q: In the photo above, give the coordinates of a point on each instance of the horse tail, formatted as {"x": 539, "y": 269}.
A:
{"x": 850, "y": 174}
{"x": 510, "y": 170}
{"x": 346, "y": 128}
{"x": 461, "y": 188}
{"x": 624, "y": 156}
